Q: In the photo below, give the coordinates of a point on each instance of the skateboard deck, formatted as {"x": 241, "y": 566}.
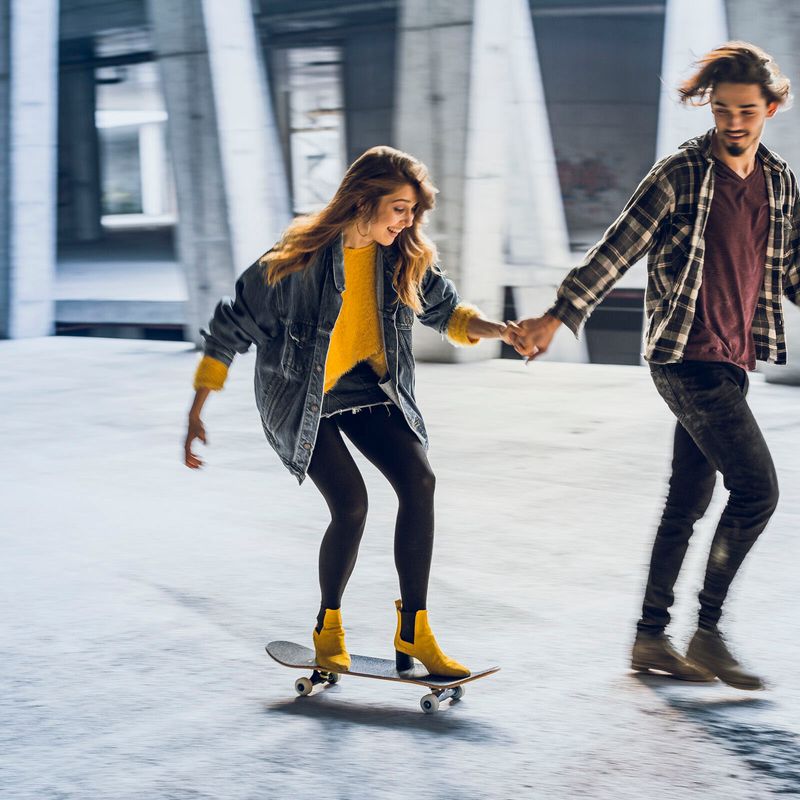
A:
{"x": 297, "y": 656}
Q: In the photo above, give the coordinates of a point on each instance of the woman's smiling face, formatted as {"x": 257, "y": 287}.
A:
{"x": 394, "y": 213}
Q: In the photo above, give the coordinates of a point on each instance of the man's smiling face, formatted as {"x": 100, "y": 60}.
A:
{"x": 740, "y": 111}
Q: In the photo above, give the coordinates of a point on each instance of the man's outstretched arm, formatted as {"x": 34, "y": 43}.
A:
{"x": 628, "y": 239}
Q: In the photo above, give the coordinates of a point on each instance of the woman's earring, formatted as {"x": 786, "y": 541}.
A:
{"x": 365, "y": 235}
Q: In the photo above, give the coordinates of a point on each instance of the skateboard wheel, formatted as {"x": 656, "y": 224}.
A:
{"x": 303, "y": 686}
{"x": 333, "y": 677}
{"x": 458, "y": 693}
{"x": 429, "y": 704}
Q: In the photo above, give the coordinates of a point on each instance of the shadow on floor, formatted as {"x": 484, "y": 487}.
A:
{"x": 772, "y": 753}
{"x": 450, "y": 720}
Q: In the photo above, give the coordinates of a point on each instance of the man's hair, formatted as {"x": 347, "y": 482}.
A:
{"x": 736, "y": 62}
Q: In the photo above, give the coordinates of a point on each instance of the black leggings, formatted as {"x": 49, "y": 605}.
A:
{"x": 383, "y": 436}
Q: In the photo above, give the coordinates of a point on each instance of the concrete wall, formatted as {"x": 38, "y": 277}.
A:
{"x": 369, "y": 89}
{"x": 83, "y": 18}
{"x": 600, "y": 75}
{"x": 774, "y": 25}
{"x": 79, "y": 190}
{"x": 432, "y": 77}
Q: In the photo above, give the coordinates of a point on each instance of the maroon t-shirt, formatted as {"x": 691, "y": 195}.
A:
{"x": 733, "y": 269}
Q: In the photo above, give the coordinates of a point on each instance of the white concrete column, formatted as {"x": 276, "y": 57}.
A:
{"x": 32, "y": 41}
{"x": 228, "y": 176}
{"x": 485, "y": 220}
{"x": 203, "y": 238}
{"x": 255, "y": 180}
{"x": 471, "y": 106}
{"x": 5, "y": 168}
{"x": 538, "y": 254}
{"x": 691, "y": 29}
{"x": 452, "y": 113}
{"x": 538, "y": 234}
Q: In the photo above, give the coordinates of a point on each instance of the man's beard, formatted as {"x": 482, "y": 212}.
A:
{"x": 734, "y": 149}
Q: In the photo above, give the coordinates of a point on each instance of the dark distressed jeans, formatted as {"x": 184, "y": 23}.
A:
{"x": 716, "y": 432}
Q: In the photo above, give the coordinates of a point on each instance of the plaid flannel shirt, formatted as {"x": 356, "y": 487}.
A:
{"x": 666, "y": 219}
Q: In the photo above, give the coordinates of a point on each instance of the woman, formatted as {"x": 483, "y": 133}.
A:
{"x": 330, "y": 310}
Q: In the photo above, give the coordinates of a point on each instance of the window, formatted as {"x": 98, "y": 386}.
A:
{"x": 131, "y": 118}
{"x": 310, "y": 86}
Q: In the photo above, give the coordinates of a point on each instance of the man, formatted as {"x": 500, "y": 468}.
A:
{"x": 719, "y": 222}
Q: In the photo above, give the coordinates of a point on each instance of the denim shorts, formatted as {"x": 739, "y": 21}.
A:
{"x": 359, "y": 388}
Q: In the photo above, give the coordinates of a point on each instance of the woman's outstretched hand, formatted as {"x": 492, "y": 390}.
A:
{"x": 508, "y": 332}
{"x": 480, "y": 328}
{"x": 196, "y": 430}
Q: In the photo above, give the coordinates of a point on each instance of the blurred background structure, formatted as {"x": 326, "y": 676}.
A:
{"x": 151, "y": 149}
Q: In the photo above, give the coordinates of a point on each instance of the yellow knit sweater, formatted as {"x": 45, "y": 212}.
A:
{"x": 356, "y": 336}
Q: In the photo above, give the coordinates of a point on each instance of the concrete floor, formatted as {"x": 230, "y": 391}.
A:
{"x": 137, "y": 595}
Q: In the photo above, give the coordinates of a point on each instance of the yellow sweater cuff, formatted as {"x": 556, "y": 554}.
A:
{"x": 459, "y": 320}
{"x": 210, "y": 374}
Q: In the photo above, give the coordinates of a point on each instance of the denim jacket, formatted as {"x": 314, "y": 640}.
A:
{"x": 290, "y": 324}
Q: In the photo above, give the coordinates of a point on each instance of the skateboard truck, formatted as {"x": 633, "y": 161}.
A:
{"x": 303, "y": 686}
{"x": 430, "y": 703}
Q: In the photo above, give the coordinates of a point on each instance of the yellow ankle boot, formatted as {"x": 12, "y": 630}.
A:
{"x": 329, "y": 646}
{"x": 424, "y": 648}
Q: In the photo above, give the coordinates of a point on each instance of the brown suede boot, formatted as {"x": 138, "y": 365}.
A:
{"x": 708, "y": 649}
{"x": 655, "y": 652}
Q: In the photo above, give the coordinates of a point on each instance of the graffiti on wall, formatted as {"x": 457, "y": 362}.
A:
{"x": 586, "y": 179}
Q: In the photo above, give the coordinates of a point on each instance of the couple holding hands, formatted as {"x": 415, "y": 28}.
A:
{"x": 331, "y": 306}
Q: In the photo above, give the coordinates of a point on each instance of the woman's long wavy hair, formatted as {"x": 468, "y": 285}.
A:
{"x": 373, "y": 175}
{"x": 736, "y": 62}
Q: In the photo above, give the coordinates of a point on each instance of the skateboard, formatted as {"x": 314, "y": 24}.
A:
{"x": 299, "y": 657}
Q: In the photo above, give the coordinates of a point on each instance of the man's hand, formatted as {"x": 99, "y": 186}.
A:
{"x": 532, "y": 336}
